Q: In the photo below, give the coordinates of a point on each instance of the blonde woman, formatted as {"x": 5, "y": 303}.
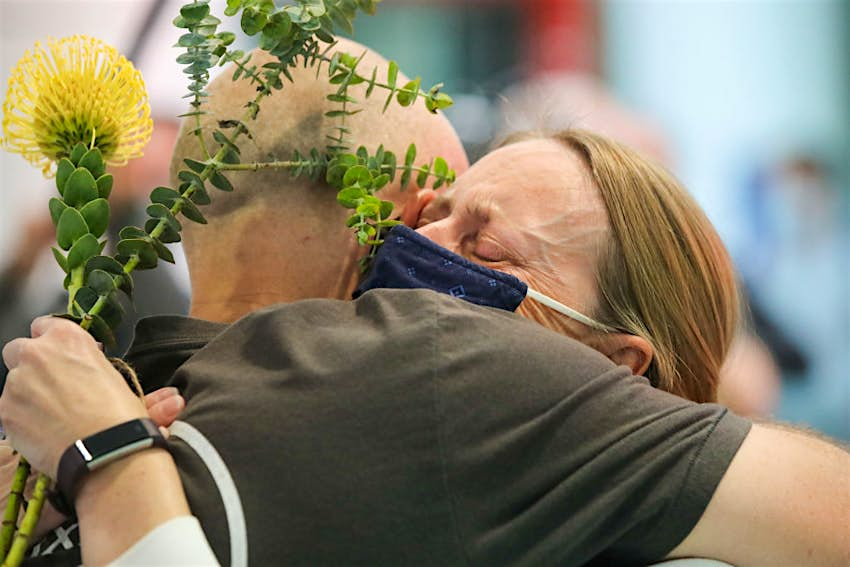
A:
{"x": 633, "y": 265}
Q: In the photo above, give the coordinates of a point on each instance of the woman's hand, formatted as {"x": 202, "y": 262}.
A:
{"x": 60, "y": 388}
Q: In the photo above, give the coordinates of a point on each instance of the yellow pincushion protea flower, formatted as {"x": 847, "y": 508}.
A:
{"x": 77, "y": 90}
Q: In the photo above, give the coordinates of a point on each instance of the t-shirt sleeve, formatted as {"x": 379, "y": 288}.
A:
{"x": 555, "y": 457}
{"x": 178, "y": 542}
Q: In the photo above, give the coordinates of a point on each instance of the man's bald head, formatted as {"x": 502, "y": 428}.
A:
{"x": 287, "y": 234}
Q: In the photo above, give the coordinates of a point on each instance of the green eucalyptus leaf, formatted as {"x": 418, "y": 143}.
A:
{"x": 56, "y": 206}
{"x": 190, "y": 40}
{"x": 139, "y": 247}
{"x": 84, "y": 248}
{"x": 102, "y": 332}
{"x": 191, "y": 212}
{"x": 105, "y": 264}
{"x": 104, "y": 185}
{"x": 125, "y": 284}
{"x": 159, "y": 211}
{"x": 164, "y": 196}
{"x": 392, "y": 74}
{"x": 350, "y": 197}
{"x": 131, "y": 232}
{"x": 167, "y": 234}
{"x": 93, "y": 161}
{"x": 386, "y": 209}
{"x": 96, "y": 215}
{"x": 253, "y": 20}
{"x": 410, "y": 155}
{"x": 70, "y": 227}
{"x": 233, "y": 7}
{"x": 80, "y": 188}
{"x": 86, "y": 297}
{"x": 380, "y": 181}
{"x": 60, "y": 259}
{"x": 162, "y": 251}
{"x": 407, "y": 94}
{"x": 278, "y": 26}
{"x": 101, "y": 282}
{"x": 358, "y": 174}
{"x": 221, "y": 182}
{"x": 422, "y": 177}
{"x": 112, "y": 312}
{"x": 194, "y": 165}
{"x": 195, "y": 12}
{"x": 64, "y": 169}
{"x": 200, "y": 196}
{"x": 77, "y": 153}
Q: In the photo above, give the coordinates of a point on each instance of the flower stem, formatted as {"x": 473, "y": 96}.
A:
{"x": 16, "y": 496}
{"x": 19, "y": 547}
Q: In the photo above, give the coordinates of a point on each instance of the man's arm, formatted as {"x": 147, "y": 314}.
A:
{"x": 785, "y": 500}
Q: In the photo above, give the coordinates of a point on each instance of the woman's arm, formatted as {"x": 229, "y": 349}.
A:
{"x": 61, "y": 388}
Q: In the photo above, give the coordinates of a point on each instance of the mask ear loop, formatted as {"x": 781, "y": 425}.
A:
{"x": 568, "y": 311}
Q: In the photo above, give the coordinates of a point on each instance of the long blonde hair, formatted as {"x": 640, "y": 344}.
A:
{"x": 665, "y": 275}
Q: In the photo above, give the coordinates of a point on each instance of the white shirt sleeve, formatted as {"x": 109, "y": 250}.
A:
{"x": 179, "y": 541}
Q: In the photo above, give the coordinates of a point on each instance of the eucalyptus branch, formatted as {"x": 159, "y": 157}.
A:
{"x": 13, "y": 506}
{"x": 28, "y": 524}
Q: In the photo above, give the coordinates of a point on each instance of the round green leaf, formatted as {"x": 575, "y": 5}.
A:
{"x": 77, "y": 153}
{"x": 56, "y": 206}
{"x": 164, "y": 196}
{"x": 96, "y": 215}
{"x": 70, "y": 227}
{"x": 93, "y": 161}
{"x": 64, "y": 169}
{"x": 350, "y": 197}
{"x": 106, "y": 264}
{"x": 84, "y": 248}
{"x": 100, "y": 281}
{"x": 60, "y": 259}
{"x": 358, "y": 174}
{"x": 80, "y": 188}
{"x": 104, "y": 185}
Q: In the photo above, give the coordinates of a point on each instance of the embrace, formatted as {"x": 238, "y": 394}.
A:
{"x": 410, "y": 427}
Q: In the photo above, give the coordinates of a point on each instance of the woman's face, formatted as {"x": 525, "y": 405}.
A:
{"x": 529, "y": 209}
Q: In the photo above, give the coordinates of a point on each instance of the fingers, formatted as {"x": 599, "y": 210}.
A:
{"x": 166, "y": 410}
{"x": 12, "y": 352}
{"x": 160, "y": 395}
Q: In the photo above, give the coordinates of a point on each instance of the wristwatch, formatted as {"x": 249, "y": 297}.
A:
{"x": 95, "y": 451}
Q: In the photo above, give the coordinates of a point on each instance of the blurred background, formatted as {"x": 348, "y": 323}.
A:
{"x": 746, "y": 101}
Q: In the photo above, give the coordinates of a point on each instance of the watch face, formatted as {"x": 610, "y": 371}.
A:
{"x": 116, "y": 437}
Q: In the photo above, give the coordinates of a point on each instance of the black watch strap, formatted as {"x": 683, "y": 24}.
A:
{"x": 100, "y": 449}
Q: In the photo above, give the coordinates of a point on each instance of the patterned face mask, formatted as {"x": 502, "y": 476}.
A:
{"x": 408, "y": 260}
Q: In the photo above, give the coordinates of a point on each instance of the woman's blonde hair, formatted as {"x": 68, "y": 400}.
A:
{"x": 665, "y": 275}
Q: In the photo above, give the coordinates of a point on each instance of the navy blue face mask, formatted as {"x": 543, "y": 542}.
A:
{"x": 408, "y": 260}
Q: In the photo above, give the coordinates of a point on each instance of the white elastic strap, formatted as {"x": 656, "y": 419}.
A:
{"x": 226, "y": 488}
{"x": 568, "y": 311}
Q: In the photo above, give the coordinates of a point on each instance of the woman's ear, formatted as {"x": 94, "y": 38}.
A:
{"x": 627, "y": 350}
{"x": 416, "y": 201}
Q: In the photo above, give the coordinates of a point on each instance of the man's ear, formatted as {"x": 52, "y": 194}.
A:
{"x": 417, "y": 200}
{"x": 626, "y": 350}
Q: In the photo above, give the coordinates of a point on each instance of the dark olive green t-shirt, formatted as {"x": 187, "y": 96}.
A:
{"x": 411, "y": 428}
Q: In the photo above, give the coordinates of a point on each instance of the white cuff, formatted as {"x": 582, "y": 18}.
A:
{"x": 179, "y": 541}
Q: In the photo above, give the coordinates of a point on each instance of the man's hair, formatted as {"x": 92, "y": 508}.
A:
{"x": 664, "y": 274}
